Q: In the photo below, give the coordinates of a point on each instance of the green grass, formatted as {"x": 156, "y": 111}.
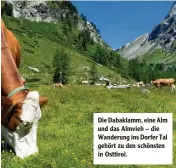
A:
{"x": 39, "y": 42}
{"x": 158, "y": 56}
{"x": 65, "y": 131}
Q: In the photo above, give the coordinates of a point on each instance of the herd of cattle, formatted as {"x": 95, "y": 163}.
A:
{"x": 158, "y": 83}
{"x": 21, "y": 108}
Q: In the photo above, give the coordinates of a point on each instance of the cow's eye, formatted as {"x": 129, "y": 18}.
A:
{"x": 26, "y": 124}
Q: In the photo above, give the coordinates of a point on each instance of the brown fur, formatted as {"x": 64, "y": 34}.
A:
{"x": 13, "y": 44}
{"x": 10, "y": 80}
{"x": 162, "y": 82}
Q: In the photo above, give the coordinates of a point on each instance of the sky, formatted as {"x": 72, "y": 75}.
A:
{"x": 121, "y": 22}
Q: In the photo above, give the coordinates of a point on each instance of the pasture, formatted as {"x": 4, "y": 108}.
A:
{"x": 65, "y": 132}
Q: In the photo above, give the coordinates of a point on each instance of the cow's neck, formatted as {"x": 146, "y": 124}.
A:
{"x": 10, "y": 78}
{"x": 19, "y": 97}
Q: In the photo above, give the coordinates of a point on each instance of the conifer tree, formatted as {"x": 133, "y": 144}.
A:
{"x": 61, "y": 64}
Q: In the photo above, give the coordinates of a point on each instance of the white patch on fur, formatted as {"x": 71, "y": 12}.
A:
{"x": 24, "y": 139}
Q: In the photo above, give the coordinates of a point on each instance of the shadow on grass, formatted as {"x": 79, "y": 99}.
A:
{"x": 32, "y": 85}
{"x": 5, "y": 147}
{"x": 34, "y": 80}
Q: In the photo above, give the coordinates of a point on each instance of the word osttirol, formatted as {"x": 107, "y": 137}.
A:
{"x": 123, "y": 120}
{"x": 115, "y": 154}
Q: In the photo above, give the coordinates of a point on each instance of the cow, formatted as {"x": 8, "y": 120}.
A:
{"x": 85, "y": 82}
{"x": 58, "y": 84}
{"x": 162, "y": 82}
{"x": 139, "y": 84}
{"x": 20, "y": 108}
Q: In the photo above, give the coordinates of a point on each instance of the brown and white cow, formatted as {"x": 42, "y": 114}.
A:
{"x": 58, "y": 84}
{"x": 20, "y": 109}
{"x": 85, "y": 82}
{"x": 162, "y": 82}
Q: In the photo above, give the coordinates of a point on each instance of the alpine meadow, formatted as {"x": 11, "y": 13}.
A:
{"x": 59, "y": 45}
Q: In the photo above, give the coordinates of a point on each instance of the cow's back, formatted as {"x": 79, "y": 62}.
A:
{"x": 12, "y": 43}
{"x": 166, "y": 81}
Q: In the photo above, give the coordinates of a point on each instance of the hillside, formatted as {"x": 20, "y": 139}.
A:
{"x": 39, "y": 41}
{"x": 79, "y": 38}
{"x": 158, "y": 46}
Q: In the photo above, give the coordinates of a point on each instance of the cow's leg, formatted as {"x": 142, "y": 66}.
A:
{"x": 172, "y": 87}
{"x": 160, "y": 86}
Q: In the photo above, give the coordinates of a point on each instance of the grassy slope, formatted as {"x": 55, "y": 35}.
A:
{"x": 65, "y": 132}
{"x": 39, "y": 42}
{"x": 167, "y": 58}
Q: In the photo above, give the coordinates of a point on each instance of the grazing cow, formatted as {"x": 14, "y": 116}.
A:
{"x": 134, "y": 84}
{"x": 20, "y": 109}
{"x": 138, "y": 84}
{"x": 85, "y": 82}
{"x": 162, "y": 82}
{"x": 141, "y": 83}
{"x": 58, "y": 84}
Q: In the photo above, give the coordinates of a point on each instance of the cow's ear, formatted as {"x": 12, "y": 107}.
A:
{"x": 43, "y": 100}
{"x": 6, "y": 108}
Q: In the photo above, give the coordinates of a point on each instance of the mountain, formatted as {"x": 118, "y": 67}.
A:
{"x": 42, "y": 27}
{"x": 52, "y": 11}
{"x": 161, "y": 39}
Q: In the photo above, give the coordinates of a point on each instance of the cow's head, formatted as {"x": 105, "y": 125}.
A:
{"x": 11, "y": 114}
{"x": 19, "y": 123}
{"x": 153, "y": 82}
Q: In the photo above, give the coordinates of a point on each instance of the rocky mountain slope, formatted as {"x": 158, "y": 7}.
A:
{"x": 52, "y": 11}
{"x": 43, "y": 27}
{"x": 163, "y": 37}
